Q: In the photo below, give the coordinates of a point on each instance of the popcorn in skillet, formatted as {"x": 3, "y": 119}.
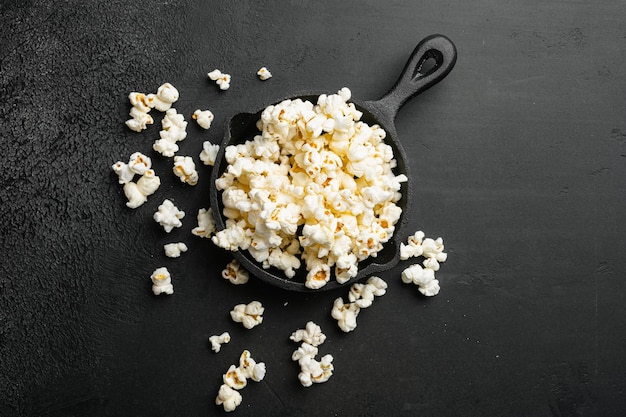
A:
{"x": 318, "y": 169}
{"x": 173, "y": 250}
{"x": 168, "y": 216}
{"x": 185, "y": 169}
{"x": 174, "y": 129}
{"x": 162, "y": 281}
{"x": 424, "y": 278}
{"x": 235, "y": 273}
{"x": 206, "y": 223}
{"x": 236, "y": 378}
{"x": 209, "y": 153}
{"x": 204, "y": 118}
{"x": 264, "y": 74}
{"x": 222, "y": 80}
{"x": 218, "y": 340}
{"x": 250, "y": 315}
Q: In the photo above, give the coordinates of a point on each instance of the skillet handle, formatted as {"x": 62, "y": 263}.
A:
{"x": 417, "y": 77}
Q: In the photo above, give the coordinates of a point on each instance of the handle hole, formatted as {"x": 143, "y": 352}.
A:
{"x": 428, "y": 63}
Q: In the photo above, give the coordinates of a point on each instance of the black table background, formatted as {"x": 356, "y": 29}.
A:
{"x": 518, "y": 160}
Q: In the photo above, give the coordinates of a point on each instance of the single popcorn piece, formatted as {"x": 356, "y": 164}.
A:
{"x": 169, "y": 216}
{"x": 134, "y": 196}
{"x": 165, "y": 96}
{"x": 311, "y": 334}
{"x": 162, "y": 281}
{"x": 137, "y": 192}
{"x": 174, "y": 250}
{"x": 206, "y": 223}
{"x": 209, "y": 153}
{"x": 139, "y": 112}
{"x": 250, "y": 368}
{"x": 424, "y": 278}
{"x": 250, "y": 315}
{"x": 235, "y": 273}
{"x": 234, "y": 378}
{"x": 123, "y": 171}
{"x": 313, "y": 371}
{"x": 218, "y": 340}
{"x": 264, "y": 74}
{"x": 185, "y": 169}
{"x": 139, "y": 163}
{"x": 222, "y": 80}
{"x": 345, "y": 314}
{"x": 363, "y": 294}
{"x": 228, "y": 397}
{"x": 148, "y": 183}
{"x": 204, "y": 118}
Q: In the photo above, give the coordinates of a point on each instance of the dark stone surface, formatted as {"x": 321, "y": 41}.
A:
{"x": 518, "y": 160}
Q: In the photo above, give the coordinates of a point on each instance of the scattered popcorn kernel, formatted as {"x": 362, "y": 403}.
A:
{"x": 165, "y": 147}
{"x": 123, "y": 171}
{"x": 235, "y": 273}
{"x": 250, "y": 368}
{"x": 434, "y": 249}
{"x": 209, "y": 153}
{"x": 185, "y": 169}
{"x": 222, "y": 80}
{"x": 264, "y": 74}
{"x": 250, "y": 315}
{"x": 148, "y": 183}
{"x": 173, "y": 129}
{"x": 345, "y": 314}
{"x": 162, "y": 281}
{"x": 363, "y": 294}
{"x": 139, "y": 163}
{"x": 168, "y": 216}
{"x": 204, "y": 118}
{"x": 174, "y": 250}
{"x": 229, "y": 398}
{"x": 138, "y": 100}
{"x": 424, "y": 278}
{"x": 234, "y": 378}
{"x": 218, "y": 340}
{"x": 206, "y": 223}
{"x": 409, "y": 251}
{"x": 167, "y": 93}
{"x": 311, "y": 334}
{"x": 134, "y": 196}
{"x": 312, "y": 370}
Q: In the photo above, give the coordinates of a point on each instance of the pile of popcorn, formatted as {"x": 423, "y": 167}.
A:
{"x": 317, "y": 185}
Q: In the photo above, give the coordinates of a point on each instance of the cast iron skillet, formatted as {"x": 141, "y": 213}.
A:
{"x": 431, "y": 60}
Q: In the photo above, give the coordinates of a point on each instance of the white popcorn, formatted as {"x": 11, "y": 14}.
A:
{"x": 434, "y": 249}
{"x": 168, "y": 216}
{"x": 305, "y": 350}
{"x": 229, "y": 398}
{"x": 139, "y": 112}
{"x": 185, "y": 169}
{"x": 218, "y": 340}
{"x": 204, "y": 118}
{"x": 148, "y": 183}
{"x": 173, "y": 129}
{"x": 138, "y": 101}
{"x": 317, "y": 171}
{"x": 235, "y": 273}
{"x": 250, "y": 368}
{"x": 313, "y": 371}
{"x": 165, "y": 147}
{"x": 206, "y": 223}
{"x": 250, "y": 315}
{"x": 345, "y": 314}
{"x": 409, "y": 251}
{"x": 264, "y": 73}
{"x": 363, "y": 294}
{"x": 209, "y": 153}
{"x": 123, "y": 171}
{"x": 167, "y": 93}
{"x": 173, "y": 250}
{"x": 424, "y": 278}
{"x": 222, "y": 80}
{"x": 234, "y": 378}
{"x": 311, "y": 334}
{"x": 134, "y": 196}
{"x": 162, "y": 281}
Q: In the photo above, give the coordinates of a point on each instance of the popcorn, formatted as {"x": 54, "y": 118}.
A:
{"x": 236, "y": 378}
{"x": 360, "y": 296}
{"x": 228, "y": 397}
{"x": 313, "y": 371}
{"x": 138, "y": 101}
{"x": 137, "y": 192}
{"x": 206, "y": 223}
{"x": 424, "y": 278}
{"x": 311, "y": 334}
{"x": 162, "y": 281}
{"x": 217, "y": 341}
{"x": 250, "y": 315}
{"x": 166, "y": 95}
{"x": 174, "y": 129}
{"x": 235, "y": 273}
{"x": 317, "y": 171}
{"x": 209, "y": 153}
{"x": 168, "y": 216}
{"x": 264, "y": 74}
{"x": 222, "y": 80}
{"x": 204, "y": 118}
{"x": 139, "y": 112}
{"x": 185, "y": 169}
{"x": 173, "y": 250}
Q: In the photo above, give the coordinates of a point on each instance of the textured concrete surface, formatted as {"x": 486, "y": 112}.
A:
{"x": 518, "y": 160}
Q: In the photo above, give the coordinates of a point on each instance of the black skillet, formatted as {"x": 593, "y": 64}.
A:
{"x": 431, "y": 60}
